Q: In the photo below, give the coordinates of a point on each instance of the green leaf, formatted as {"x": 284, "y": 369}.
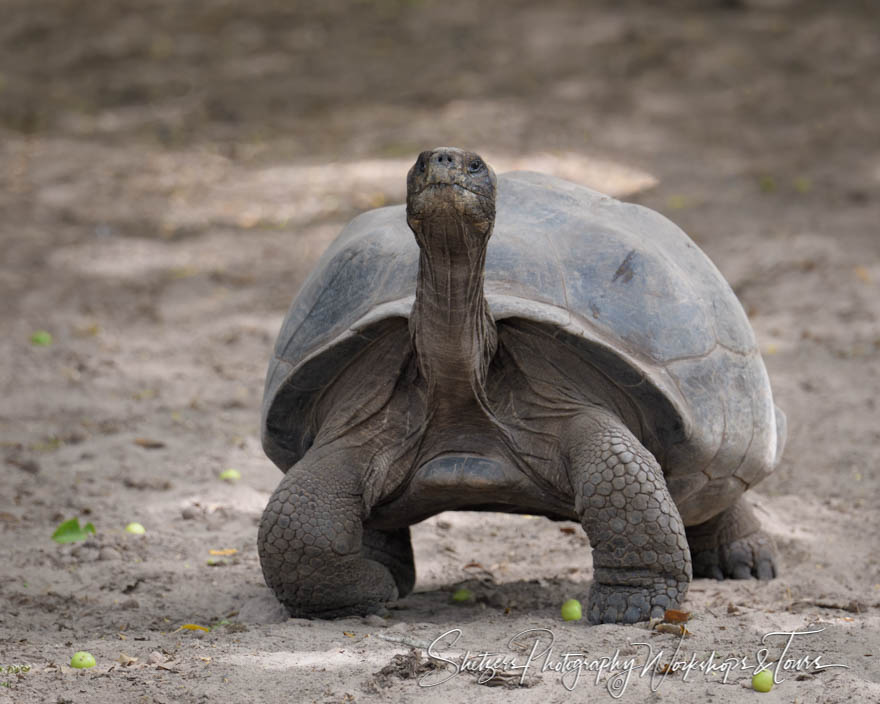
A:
{"x": 71, "y": 532}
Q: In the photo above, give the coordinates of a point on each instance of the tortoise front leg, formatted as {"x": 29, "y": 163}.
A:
{"x": 311, "y": 539}
{"x": 641, "y": 561}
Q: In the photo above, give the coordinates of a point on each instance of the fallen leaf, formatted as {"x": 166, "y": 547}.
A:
{"x": 149, "y": 444}
{"x": 568, "y": 530}
{"x": 193, "y": 627}
{"x": 803, "y": 184}
{"x": 126, "y": 660}
{"x": 144, "y": 394}
{"x": 675, "y": 616}
{"x": 678, "y": 630}
{"x": 767, "y": 183}
{"x": 223, "y": 551}
{"x": 508, "y": 680}
{"x": 677, "y": 202}
{"x": 71, "y": 532}
{"x": 348, "y": 634}
{"x": 27, "y": 465}
{"x": 87, "y": 330}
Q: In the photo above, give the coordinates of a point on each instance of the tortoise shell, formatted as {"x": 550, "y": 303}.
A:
{"x": 619, "y": 282}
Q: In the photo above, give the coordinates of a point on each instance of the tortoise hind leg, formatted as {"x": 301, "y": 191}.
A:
{"x": 732, "y": 546}
{"x": 310, "y": 540}
{"x": 394, "y": 550}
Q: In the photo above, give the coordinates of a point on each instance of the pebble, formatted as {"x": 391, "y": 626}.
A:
{"x": 108, "y": 553}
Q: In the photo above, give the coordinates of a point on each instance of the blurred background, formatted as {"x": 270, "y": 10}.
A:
{"x": 174, "y": 169}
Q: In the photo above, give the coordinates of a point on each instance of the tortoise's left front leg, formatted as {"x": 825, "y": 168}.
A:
{"x": 641, "y": 560}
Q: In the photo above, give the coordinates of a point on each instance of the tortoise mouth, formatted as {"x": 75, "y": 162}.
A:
{"x": 444, "y": 201}
{"x": 442, "y": 186}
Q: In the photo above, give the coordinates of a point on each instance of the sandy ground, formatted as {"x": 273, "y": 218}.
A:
{"x": 170, "y": 171}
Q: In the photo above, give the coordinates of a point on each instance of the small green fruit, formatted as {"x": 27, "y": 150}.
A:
{"x": 763, "y": 681}
{"x": 82, "y": 660}
{"x": 571, "y": 610}
{"x": 230, "y": 475}
{"x": 460, "y": 596}
{"x": 41, "y": 338}
{"x": 135, "y": 528}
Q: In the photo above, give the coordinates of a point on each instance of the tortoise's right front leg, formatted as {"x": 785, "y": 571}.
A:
{"x": 310, "y": 540}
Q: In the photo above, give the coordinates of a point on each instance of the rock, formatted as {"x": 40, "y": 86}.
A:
{"x": 109, "y": 553}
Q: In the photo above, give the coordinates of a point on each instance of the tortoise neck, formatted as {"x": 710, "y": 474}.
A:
{"x": 452, "y": 330}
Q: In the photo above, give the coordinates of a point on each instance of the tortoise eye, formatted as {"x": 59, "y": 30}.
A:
{"x": 475, "y": 166}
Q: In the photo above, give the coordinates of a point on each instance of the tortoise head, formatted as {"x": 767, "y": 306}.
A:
{"x": 448, "y": 184}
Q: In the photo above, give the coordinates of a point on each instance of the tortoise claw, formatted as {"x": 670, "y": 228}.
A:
{"x": 752, "y": 557}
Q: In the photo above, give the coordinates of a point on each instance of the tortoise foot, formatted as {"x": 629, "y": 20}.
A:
{"x": 614, "y": 603}
{"x": 312, "y": 550}
{"x": 394, "y": 550}
{"x": 732, "y": 546}
{"x": 745, "y": 558}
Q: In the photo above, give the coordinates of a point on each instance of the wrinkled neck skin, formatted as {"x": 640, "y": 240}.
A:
{"x": 452, "y": 330}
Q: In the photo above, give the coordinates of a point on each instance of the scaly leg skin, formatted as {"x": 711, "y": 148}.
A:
{"x": 641, "y": 560}
{"x": 394, "y": 550}
{"x": 310, "y": 540}
{"x": 732, "y": 546}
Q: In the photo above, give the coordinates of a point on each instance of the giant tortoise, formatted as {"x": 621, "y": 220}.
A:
{"x": 588, "y": 362}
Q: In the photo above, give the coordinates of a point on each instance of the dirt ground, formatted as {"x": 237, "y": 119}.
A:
{"x": 170, "y": 171}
